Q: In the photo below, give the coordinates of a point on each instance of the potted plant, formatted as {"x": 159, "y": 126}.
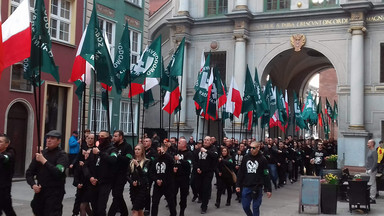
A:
{"x": 329, "y": 188}
{"x": 331, "y": 162}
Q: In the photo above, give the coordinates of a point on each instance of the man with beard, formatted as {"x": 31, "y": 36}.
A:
{"x": 7, "y": 166}
{"x": 49, "y": 169}
{"x": 99, "y": 170}
{"x": 124, "y": 156}
{"x": 318, "y": 159}
{"x": 182, "y": 169}
{"x": 206, "y": 166}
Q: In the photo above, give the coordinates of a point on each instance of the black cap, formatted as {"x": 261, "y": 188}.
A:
{"x": 54, "y": 133}
{"x": 75, "y": 132}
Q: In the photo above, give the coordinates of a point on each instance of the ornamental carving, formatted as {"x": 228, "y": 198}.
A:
{"x": 298, "y": 41}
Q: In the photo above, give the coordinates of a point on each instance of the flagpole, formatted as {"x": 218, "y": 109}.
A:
{"x": 37, "y": 104}
{"x": 241, "y": 126}
{"x": 197, "y": 128}
{"x": 94, "y": 105}
{"x": 178, "y": 120}
{"x": 142, "y": 123}
{"x": 131, "y": 108}
{"x": 82, "y": 113}
{"x": 108, "y": 117}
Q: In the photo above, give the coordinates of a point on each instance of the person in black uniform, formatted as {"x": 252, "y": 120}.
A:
{"x": 99, "y": 170}
{"x": 205, "y": 168}
{"x": 224, "y": 176}
{"x": 49, "y": 169}
{"x": 124, "y": 155}
{"x": 138, "y": 178}
{"x": 84, "y": 189}
{"x": 151, "y": 154}
{"x": 7, "y": 167}
{"x": 161, "y": 173}
{"x": 281, "y": 159}
{"x": 182, "y": 170}
{"x": 253, "y": 175}
{"x": 194, "y": 178}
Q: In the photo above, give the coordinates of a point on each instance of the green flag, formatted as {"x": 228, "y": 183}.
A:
{"x": 95, "y": 50}
{"x": 41, "y": 53}
{"x": 328, "y": 109}
{"x": 319, "y": 111}
{"x": 201, "y": 86}
{"x": 104, "y": 98}
{"x": 80, "y": 88}
{"x": 267, "y": 95}
{"x": 177, "y": 61}
{"x": 309, "y": 106}
{"x": 249, "y": 103}
{"x": 147, "y": 98}
{"x": 335, "y": 111}
{"x": 281, "y": 107}
{"x": 261, "y": 105}
{"x": 122, "y": 62}
{"x": 298, "y": 117}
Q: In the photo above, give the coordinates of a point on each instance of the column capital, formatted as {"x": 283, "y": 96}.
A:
{"x": 240, "y": 35}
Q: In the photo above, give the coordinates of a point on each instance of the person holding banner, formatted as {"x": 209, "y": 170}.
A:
{"x": 253, "y": 175}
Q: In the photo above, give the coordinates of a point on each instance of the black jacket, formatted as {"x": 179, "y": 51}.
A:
{"x": 254, "y": 173}
{"x": 162, "y": 169}
{"x": 184, "y": 165}
{"x": 52, "y": 173}
{"x": 7, "y": 167}
{"x": 141, "y": 175}
{"x": 124, "y": 156}
{"x": 100, "y": 166}
{"x": 208, "y": 160}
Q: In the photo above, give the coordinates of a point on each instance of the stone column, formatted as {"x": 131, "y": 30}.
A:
{"x": 357, "y": 74}
{"x": 183, "y": 8}
{"x": 184, "y": 88}
{"x": 240, "y": 64}
{"x": 241, "y": 5}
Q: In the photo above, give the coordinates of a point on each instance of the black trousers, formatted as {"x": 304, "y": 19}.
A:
{"x": 100, "y": 200}
{"x": 194, "y": 187}
{"x": 205, "y": 184}
{"x": 6, "y": 202}
{"x": 118, "y": 202}
{"x": 49, "y": 202}
{"x": 282, "y": 172}
{"x": 158, "y": 192}
{"x": 182, "y": 183}
{"x": 76, "y": 204}
{"x": 221, "y": 187}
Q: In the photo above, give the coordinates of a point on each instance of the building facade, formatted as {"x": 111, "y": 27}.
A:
{"x": 112, "y": 16}
{"x": 58, "y": 102}
{"x": 288, "y": 42}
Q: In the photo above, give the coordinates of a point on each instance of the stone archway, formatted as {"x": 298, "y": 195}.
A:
{"x": 292, "y": 71}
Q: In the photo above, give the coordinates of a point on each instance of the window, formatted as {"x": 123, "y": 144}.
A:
{"x": 216, "y": 7}
{"x": 108, "y": 28}
{"x": 275, "y": 5}
{"x": 60, "y": 20}
{"x": 15, "y": 4}
{"x": 136, "y": 2}
{"x": 323, "y": 3}
{"x": 125, "y": 117}
{"x": 135, "y": 46}
{"x": 101, "y": 115}
{"x": 219, "y": 60}
{"x": 17, "y": 80}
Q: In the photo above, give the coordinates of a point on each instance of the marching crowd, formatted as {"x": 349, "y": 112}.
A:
{"x": 155, "y": 168}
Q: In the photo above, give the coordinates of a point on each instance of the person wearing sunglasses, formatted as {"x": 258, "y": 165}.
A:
{"x": 253, "y": 176}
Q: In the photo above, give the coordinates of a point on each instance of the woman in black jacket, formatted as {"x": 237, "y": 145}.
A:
{"x": 138, "y": 178}
{"x": 224, "y": 176}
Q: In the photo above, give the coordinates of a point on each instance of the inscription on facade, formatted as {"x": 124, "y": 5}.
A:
{"x": 132, "y": 21}
{"x": 302, "y": 24}
{"x": 105, "y": 10}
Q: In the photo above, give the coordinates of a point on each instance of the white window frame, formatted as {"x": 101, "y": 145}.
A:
{"x": 27, "y": 82}
{"x": 113, "y": 35}
{"x": 59, "y": 19}
{"x": 125, "y": 117}
{"x": 101, "y": 118}
{"x": 14, "y": 5}
{"x": 135, "y": 53}
{"x": 135, "y": 2}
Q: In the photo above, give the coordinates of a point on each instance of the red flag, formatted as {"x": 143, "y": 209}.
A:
{"x": 1, "y": 49}
{"x": 16, "y": 35}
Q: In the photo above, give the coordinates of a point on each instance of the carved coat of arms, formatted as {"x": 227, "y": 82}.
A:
{"x": 298, "y": 41}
